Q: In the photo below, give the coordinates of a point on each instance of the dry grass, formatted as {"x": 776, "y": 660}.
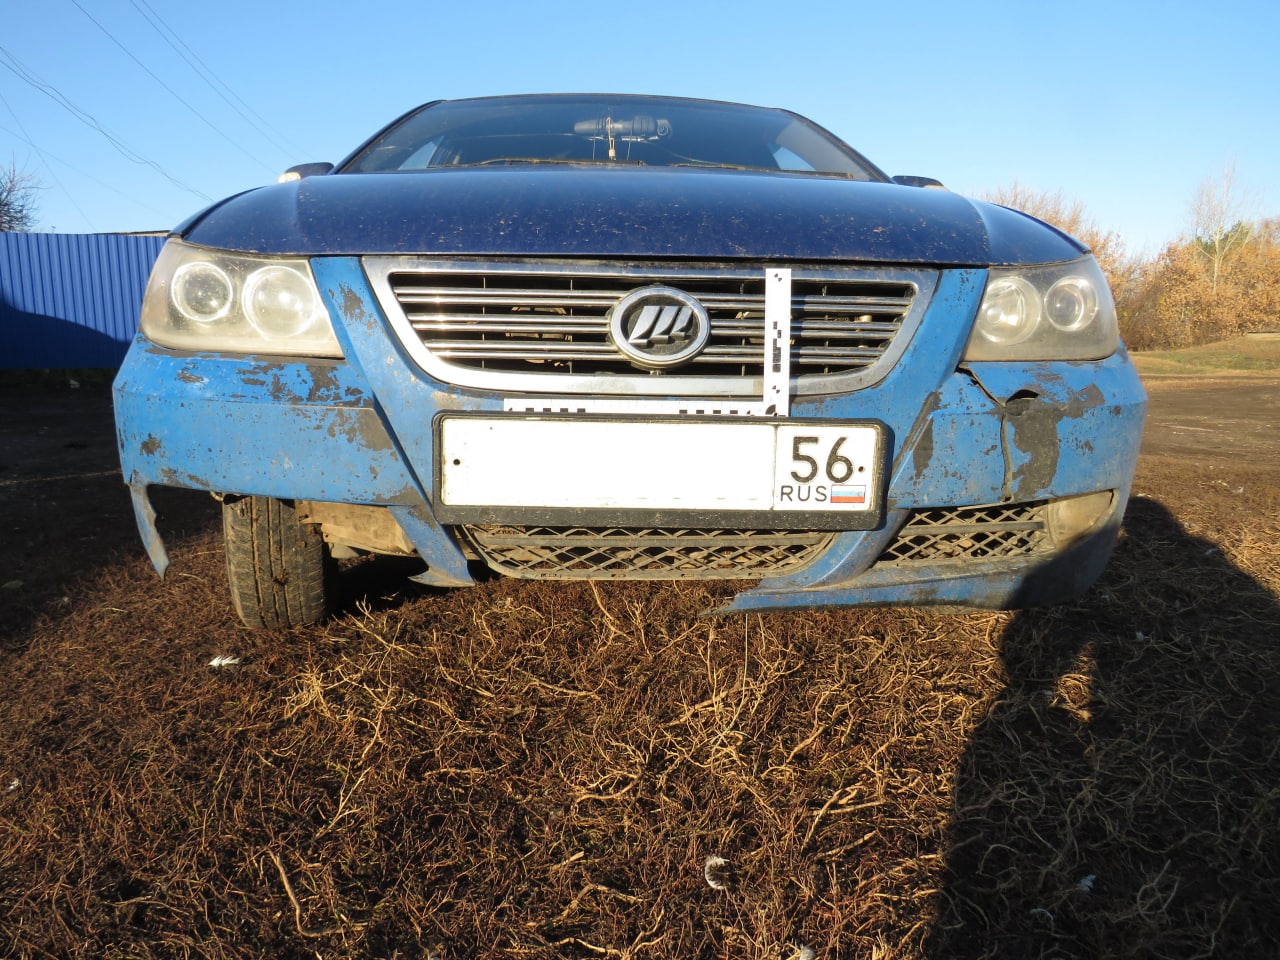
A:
{"x": 1242, "y": 356}
{"x": 543, "y": 771}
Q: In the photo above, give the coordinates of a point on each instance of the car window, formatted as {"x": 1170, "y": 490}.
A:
{"x": 788, "y": 159}
{"x": 423, "y": 156}
{"x": 602, "y": 130}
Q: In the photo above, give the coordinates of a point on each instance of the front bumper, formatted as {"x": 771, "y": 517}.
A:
{"x": 359, "y": 431}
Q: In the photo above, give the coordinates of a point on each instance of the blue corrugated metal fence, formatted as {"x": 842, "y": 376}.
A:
{"x": 71, "y": 300}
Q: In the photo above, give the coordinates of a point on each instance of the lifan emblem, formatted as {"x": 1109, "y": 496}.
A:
{"x": 659, "y": 327}
{"x": 657, "y": 324}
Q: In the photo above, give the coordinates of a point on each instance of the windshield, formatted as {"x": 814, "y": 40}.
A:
{"x": 652, "y": 131}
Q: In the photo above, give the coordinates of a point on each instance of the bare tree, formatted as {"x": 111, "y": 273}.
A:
{"x": 17, "y": 200}
{"x": 1220, "y": 215}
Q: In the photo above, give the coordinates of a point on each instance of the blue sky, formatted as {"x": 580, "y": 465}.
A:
{"x": 1126, "y": 107}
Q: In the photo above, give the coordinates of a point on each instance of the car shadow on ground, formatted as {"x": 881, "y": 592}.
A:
{"x": 1119, "y": 798}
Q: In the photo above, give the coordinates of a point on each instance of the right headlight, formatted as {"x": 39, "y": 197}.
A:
{"x": 200, "y": 299}
{"x": 1061, "y": 311}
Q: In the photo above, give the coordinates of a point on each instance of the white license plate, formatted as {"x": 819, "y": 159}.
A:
{"x": 651, "y": 467}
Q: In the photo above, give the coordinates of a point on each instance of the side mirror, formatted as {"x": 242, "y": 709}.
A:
{"x": 920, "y": 182}
{"x": 303, "y": 170}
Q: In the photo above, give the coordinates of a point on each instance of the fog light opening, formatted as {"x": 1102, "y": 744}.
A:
{"x": 1072, "y": 517}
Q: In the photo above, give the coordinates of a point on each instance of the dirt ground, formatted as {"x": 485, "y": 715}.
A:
{"x": 551, "y": 770}
{"x": 1205, "y": 420}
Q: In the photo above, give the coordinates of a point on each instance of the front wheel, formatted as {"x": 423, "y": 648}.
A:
{"x": 278, "y": 568}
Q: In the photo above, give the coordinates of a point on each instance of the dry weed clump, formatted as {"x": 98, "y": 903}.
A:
{"x": 574, "y": 771}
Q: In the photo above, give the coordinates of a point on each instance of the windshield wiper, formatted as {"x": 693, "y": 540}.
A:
{"x": 740, "y": 166}
{"x": 511, "y": 161}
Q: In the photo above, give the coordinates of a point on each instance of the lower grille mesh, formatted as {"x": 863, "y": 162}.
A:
{"x": 643, "y": 554}
{"x": 971, "y": 533}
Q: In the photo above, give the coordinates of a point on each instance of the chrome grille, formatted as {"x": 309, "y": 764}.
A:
{"x": 544, "y": 326}
{"x": 620, "y": 553}
{"x": 971, "y": 533}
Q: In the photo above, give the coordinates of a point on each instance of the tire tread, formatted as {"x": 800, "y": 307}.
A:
{"x": 278, "y": 568}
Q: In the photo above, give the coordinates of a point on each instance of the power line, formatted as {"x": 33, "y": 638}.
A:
{"x": 210, "y": 76}
{"x": 205, "y": 120}
{"x": 14, "y": 65}
{"x": 40, "y": 153}
{"x": 46, "y": 156}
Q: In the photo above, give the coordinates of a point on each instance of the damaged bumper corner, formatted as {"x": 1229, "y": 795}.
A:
{"x": 251, "y": 426}
{"x": 1046, "y": 454}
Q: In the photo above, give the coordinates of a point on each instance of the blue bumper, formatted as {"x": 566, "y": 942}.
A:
{"x": 359, "y": 431}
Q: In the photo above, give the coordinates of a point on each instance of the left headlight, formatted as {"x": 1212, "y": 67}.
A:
{"x": 211, "y": 300}
{"x": 1061, "y": 311}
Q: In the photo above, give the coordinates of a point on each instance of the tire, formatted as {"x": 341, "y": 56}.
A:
{"x": 278, "y": 568}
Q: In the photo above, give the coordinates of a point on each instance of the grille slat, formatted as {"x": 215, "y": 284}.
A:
{"x": 742, "y": 327}
{"x": 482, "y": 322}
{"x": 538, "y": 323}
{"x": 551, "y": 350}
{"x": 540, "y": 351}
{"x": 851, "y": 304}
{"x": 506, "y": 298}
{"x": 844, "y": 328}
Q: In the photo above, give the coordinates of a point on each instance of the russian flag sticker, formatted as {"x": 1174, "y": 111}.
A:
{"x": 841, "y": 494}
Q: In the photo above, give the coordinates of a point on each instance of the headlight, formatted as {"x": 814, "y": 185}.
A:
{"x": 209, "y": 300}
{"x": 1063, "y": 311}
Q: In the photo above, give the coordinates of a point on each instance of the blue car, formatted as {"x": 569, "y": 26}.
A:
{"x": 624, "y": 337}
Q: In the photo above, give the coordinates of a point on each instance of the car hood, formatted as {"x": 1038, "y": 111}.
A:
{"x": 625, "y": 212}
